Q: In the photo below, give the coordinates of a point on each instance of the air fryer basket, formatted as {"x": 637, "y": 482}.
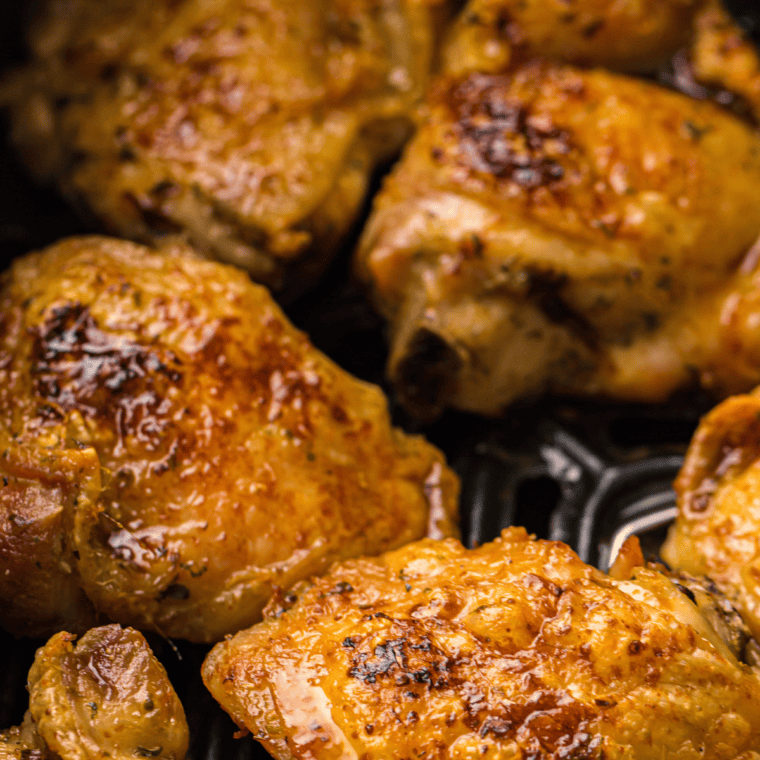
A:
{"x": 589, "y": 474}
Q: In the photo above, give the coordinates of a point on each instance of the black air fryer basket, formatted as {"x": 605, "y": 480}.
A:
{"x": 589, "y": 474}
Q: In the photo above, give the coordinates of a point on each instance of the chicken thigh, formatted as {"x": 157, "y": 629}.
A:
{"x": 250, "y": 127}
{"x": 624, "y": 35}
{"x": 722, "y": 56}
{"x": 513, "y": 650}
{"x": 105, "y": 696}
{"x": 717, "y": 532}
{"x": 174, "y": 449}
{"x": 579, "y": 231}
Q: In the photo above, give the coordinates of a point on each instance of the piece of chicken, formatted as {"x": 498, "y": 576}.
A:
{"x": 624, "y": 35}
{"x": 105, "y": 696}
{"x": 571, "y": 230}
{"x": 249, "y": 126}
{"x": 717, "y": 532}
{"x": 513, "y": 650}
{"x": 173, "y": 448}
{"x": 721, "y": 55}
{"x": 714, "y": 605}
{"x": 709, "y": 48}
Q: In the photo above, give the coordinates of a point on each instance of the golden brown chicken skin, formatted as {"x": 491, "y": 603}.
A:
{"x": 623, "y": 35}
{"x": 722, "y": 55}
{"x": 176, "y": 449}
{"x": 568, "y": 230}
{"x": 717, "y": 532}
{"x": 516, "y": 649}
{"x": 104, "y": 696}
{"x": 249, "y": 126}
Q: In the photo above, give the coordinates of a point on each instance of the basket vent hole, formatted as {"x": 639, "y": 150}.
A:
{"x": 630, "y": 432}
{"x": 535, "y": 500}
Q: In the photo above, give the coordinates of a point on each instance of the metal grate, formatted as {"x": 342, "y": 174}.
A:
{"x": 581, "y": 475}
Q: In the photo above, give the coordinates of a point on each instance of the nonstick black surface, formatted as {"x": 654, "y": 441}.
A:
{"x": 586, "y": 473}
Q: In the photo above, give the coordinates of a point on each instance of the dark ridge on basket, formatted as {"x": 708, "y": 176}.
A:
{"x": 31, "y": 216}
{"x": 211, "y": 729}
{"x": 745, "y": 13}
{"x": 586, "y": 474}
{"x": 15, "y": 661}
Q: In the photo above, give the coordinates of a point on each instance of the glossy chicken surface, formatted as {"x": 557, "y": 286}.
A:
{"x": 722, "y": 55}
{"x": 513, "y": 650}
{"x": 624, "y": 35}
{"x": 249, "y": 126}
{"x": 174, "y": 448}
{"x": 104, "y": 696}
{"x": 717, "y": 532}
{"x": 578, "y": 231}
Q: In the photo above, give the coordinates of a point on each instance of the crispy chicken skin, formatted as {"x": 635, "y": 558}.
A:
{"x": 721, "y": 55}
{"x": 717, "y": 532}
{"x": 105, "y": 696}
{"x": 513, "y": 650}
{"x": 624, "y": 35}
{"x": 175, "y": 448}
{"x": 579, "y": 231}
{"x": 249, "y": 126}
